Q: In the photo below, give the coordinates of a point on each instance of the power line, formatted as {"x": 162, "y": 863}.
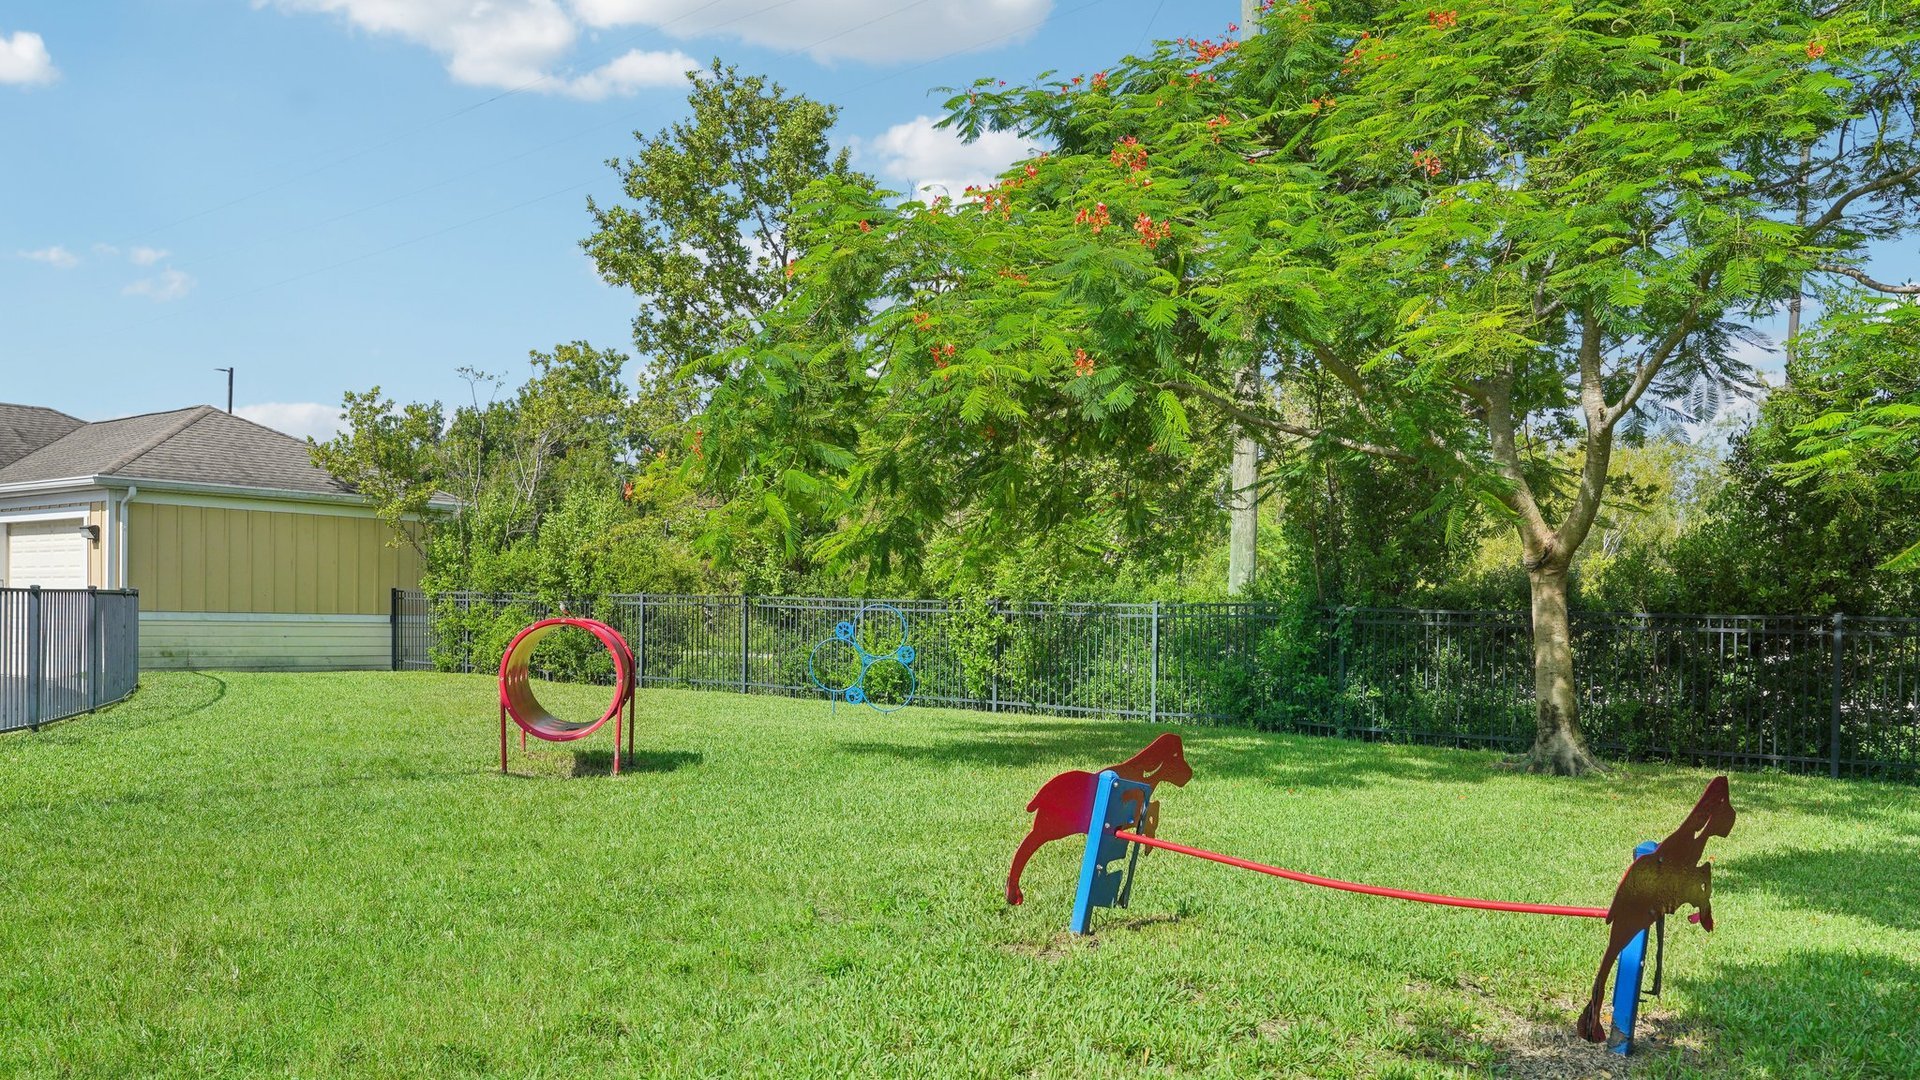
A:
{"x": 556, "y": 142}
{"x": 436, "y": 121}
{"x": 618, "y": 121}
{"x": 410, "y": 241}
{"x": 1015, "y": 32}
{"x": 572, "y": 187}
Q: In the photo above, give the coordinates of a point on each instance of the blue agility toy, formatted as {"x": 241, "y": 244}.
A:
{"x": 846, "y": 634}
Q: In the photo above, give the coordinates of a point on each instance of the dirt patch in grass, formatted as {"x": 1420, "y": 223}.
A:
{"x": 1054, "y": 949}
{"x": 1544, "y": 1045}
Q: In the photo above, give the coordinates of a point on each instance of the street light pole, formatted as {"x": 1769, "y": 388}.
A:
{"x": 1243, "y": 474}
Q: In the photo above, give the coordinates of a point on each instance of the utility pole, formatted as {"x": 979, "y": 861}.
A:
{"x": 229, "y": 372}
{"x": 1243, "y": 476}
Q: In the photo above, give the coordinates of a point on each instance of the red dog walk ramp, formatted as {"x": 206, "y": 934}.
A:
{"x": 1117, "y": 812}
{"x": 518, "y": 701}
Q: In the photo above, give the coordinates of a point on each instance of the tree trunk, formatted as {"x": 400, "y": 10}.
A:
{"x": 1558, "y": 746}
{"x": 1243, "y": 535}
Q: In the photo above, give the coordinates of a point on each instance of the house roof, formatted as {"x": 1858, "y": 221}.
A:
{"x": 201, "y": 446}
{"x": 26, "y": 428}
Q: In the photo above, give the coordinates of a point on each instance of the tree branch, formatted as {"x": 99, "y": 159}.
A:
{"x": 1862, "y": 278}
{"x": 1657, "y": 359}
{"x": 1228, "y": 405}
{"x": 1839, "y": 208}
{"x": 1599, "y": 449}
{"x": 1536, "y": 539}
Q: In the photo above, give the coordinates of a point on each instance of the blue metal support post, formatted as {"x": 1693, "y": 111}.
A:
{"x": 1627, "y": 980}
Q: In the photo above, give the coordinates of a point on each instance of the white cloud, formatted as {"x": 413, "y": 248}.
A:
{"x": 146, "y": 256}
{"x": 24, "y": 60}
{"x": 53, "y": 256}
{"x": 300, "y": 419}
{"x": 635, "y": 70}
{"x": 877, "y": 31}
{"x": 917, "y": 155}
{"x": 511, "y": 44}
{"x": 105, "y": 249}
{"x": 526, "y": 44}
{"x": 167, "y": 285}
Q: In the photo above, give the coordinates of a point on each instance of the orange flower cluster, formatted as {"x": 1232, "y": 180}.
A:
{"x": 922, "y": 320}
{"x": 1099, "y": 80}
{"x": 1097, "y": 217}
{"x": 699, "y": 436}
{"x": 1306, "y": 10}
{"x": 865, "y": 226}
{"x": 1360, "y": 51}
{"x": 1320, "y": 104}
{"x": 992, "y": 199}
{"x": 1008, "y": 273}
{"x": 1128, "y": 154}
{"x": 1150, "y": 233}
{"x": 1218, "y": 123}
{"x": 942, "y": 354}
{"x": 1427, "y": 161}
{"x": 1206, "y": 52}
{"x": 790, "y": 263}
{"x": 1443, "y": 20}
{"x": 1082, "y": 363}
{"x": 1815, "y": 50}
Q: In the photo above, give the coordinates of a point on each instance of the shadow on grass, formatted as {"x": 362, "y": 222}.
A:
{"x": 1891, "y": 806}
{"x": 1818, "y": 1012}
{"x": 600, "y": 762}
{"x": 1874, "y": 884}
{"x": 1302, "y": 761}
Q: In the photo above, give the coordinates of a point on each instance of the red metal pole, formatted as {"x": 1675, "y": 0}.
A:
{"x": 1371, "y": 890}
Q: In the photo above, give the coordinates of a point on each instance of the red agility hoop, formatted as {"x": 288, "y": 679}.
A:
{"x": 517, "y": 699}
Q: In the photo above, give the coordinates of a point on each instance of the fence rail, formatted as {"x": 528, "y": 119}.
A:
{"x": 1838, "y": 694}
{"x": 64, "y": 652}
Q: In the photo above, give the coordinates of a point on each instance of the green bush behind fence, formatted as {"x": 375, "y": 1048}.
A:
{"x": 1834, "y": 694}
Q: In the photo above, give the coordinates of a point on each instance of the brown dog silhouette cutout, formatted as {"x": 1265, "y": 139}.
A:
{"x": 1063, "y": 806}
{"x": 1656, "y": 884}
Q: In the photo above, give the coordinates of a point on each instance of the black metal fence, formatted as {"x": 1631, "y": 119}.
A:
{"x": 1834, "y": 694}
{"x": 64, "y": 652}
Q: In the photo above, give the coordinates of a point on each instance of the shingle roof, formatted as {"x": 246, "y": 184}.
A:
{"x": 26, "y": 428}
{"x": 201, "y": 445}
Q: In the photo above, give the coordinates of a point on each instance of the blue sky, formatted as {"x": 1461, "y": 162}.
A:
{"x": 330, "y": 194}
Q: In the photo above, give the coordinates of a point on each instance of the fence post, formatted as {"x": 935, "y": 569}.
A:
{"x": 745, "y": 617}
{"x": 1340, "y": 674}
{"x": 1153, "y": 669}
{"x": 34, "y": 672}
{"x": 93, "y": 647}
{"x": 1839, "y": 660}
{"x": 640, "y": 649}
{"x": 393, "y": 630}
{"x": 999, "y": 639}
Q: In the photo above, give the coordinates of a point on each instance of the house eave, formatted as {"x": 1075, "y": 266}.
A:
{"x": 239, "y": 491}
{"x": 50, "y": 487}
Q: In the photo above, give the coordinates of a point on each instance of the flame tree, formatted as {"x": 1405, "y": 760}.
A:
{"x": 1506, "y": 234}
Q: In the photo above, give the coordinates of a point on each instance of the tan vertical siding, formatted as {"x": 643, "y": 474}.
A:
{"x": 201, "y": 559}
{"x": 97, "y": 557}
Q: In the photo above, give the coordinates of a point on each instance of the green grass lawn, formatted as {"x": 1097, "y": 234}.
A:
{"x": 326, "y": 875}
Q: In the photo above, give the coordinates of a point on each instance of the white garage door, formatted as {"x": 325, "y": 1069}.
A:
{"x": 50, "y": 554}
